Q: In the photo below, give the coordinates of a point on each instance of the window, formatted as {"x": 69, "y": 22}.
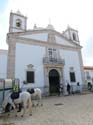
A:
{"x": 72, "y": 77}
{"x": 30, "y": 77}
{"x": 18, "y": 23}
{"x": 52, "y": 53}
{"x": 74, "y": 36}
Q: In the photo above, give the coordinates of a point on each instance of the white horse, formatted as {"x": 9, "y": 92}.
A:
{"x": 24, "y": 98}
{"x": 36, "y": 94}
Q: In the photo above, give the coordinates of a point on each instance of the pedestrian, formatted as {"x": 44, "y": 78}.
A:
{"x": 89, "y": 86}
{"x": 68, "y": 88}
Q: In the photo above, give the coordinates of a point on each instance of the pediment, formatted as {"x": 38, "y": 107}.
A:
{"x": 63, "y": 41}
{"x": 30, "y": 66}
{"x": 49, "y": 36}
{"x": 36, "y": 36}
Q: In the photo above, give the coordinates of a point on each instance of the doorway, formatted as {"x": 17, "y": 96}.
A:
{"x": 54, "y": 82}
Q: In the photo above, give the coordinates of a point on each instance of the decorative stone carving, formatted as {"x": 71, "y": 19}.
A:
{"x": 30, "y": 66}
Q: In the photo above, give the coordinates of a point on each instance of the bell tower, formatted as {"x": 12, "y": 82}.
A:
{"x": 71, "y": 34}
{"x": 17, "y": 22}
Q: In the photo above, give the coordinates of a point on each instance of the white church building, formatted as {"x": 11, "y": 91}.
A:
{"x": 42, "y": 57}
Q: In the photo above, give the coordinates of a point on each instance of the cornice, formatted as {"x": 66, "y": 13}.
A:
{"x": 43, "y": 43}
{"x": 69, "y": 29}
{"x": 18, "y": 14}
{"x": 30, "y": 32}
{"x": 88, "y": 67}
{"x": 2, "y": 51}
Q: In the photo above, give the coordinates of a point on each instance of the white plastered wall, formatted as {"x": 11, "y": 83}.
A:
{"x": 29, "y": 54}
{"x": 71, "y": 60}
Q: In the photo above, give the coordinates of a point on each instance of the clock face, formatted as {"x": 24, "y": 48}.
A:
{"x": 18, "y": 23}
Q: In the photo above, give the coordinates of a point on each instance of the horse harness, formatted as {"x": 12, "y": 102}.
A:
{"x": 15, "y": 95}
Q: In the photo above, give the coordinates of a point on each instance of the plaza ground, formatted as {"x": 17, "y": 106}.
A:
{"x": 64, "y": 110}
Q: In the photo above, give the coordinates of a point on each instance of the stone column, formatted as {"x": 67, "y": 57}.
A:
{"x": 46, "y": 80}
{"x": 11, "y": 59}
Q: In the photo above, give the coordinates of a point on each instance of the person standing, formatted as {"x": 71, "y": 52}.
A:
{"x": 68, "y": 88}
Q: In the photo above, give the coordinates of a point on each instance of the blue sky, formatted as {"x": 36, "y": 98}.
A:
{"x": 3, "y": 5}
{"x": 78, "y": 14}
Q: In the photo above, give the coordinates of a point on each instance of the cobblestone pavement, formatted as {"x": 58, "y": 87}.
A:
{"x": 64, "y": 110}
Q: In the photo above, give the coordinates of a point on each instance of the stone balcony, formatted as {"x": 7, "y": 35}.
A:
{"x": 56, "y": 61}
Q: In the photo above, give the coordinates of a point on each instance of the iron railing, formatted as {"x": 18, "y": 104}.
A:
{"x": 48, "y": 60}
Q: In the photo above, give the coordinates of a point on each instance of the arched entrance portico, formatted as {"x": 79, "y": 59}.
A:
{"x": 54, "y": 82}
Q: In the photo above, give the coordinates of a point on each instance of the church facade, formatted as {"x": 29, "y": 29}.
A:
{"x": 43, "y": 57}
{"x": 88, "y": 72}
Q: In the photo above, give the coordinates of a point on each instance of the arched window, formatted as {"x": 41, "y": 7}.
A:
{"x": 74, "y": 36}
{"x": 18, "y": 23}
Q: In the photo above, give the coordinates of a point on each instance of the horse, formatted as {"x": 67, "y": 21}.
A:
{"x": 24, "y": 98}
{"x": 36, "y": 94}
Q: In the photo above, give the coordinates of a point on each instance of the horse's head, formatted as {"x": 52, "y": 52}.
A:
{"x": 31, "y": 91}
